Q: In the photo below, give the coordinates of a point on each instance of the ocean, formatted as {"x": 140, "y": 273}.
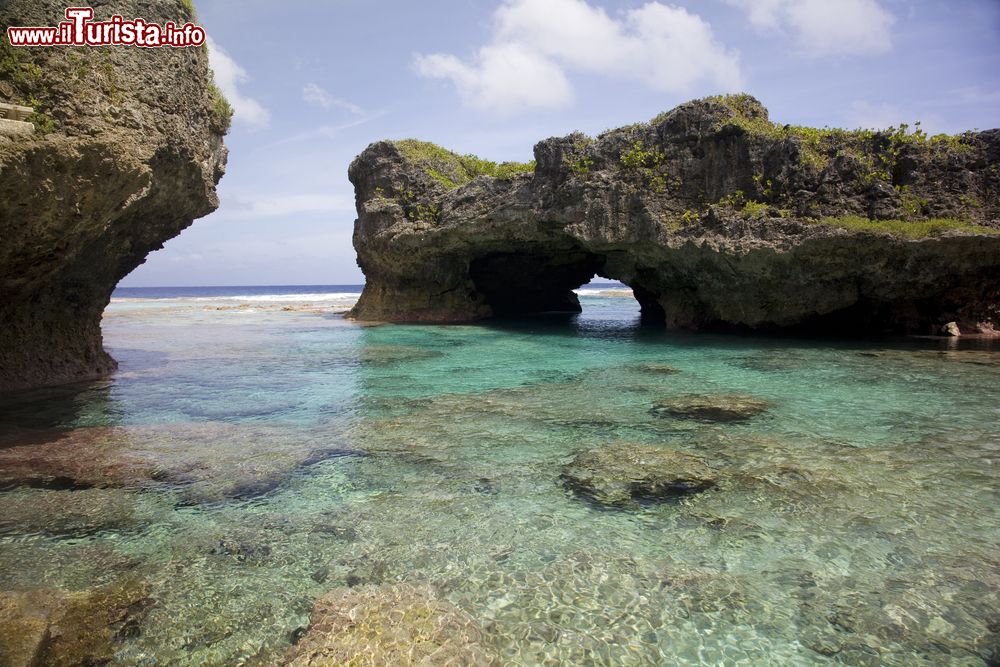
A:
{"x": 252, "y": 292}
{"x": 256, "y": 450}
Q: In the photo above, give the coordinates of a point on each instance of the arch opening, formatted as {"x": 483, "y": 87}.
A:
{"x": 529, "y": 282}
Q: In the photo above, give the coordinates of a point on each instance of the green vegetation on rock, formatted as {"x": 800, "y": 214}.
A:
{"x": 453, "y": 170}
{"x": 755, "y": 209}
{"x": 649, "y": 163}
{"x": 27, "y": 79}
{"x": 876, "y": 149}
{"x": 18, "y": 70}
{"x": 44, "y": 123}
{"x": 637, "y": 157}
{"x": 425, "y": 212}
{"x": 222, "y": 110}
{"x": 576, "y": 159}
{"x": 915, "y": 229}
{"x": 415, "y": 210}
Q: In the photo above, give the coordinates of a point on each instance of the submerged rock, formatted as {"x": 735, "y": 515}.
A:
{"x": 711, "y": 408}
{"x": 715, "y": 216}
{"x": 126, "y": 154}
{"x": 242, "y": 460}
{"x": 622, "y": 474}
{"x": 59, "y": 629}
{"x": 72, "y": 512}
{"x": 388, "y": 625}
{"x": 945, "y": 614}
{"x": 24, "y": 626}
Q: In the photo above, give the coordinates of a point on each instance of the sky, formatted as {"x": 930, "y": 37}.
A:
{"x": 314, "y": 82}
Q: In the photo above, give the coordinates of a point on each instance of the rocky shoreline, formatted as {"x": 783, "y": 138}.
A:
{"x": 715, "y": 216}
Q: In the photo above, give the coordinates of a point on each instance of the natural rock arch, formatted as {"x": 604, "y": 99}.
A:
{"x": 711, "y": 213}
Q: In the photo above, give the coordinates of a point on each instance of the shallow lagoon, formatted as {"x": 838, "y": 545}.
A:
{"x": 245, "y": 461}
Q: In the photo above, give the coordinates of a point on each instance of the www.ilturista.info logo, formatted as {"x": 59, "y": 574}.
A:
{"x": 79, "y": 30}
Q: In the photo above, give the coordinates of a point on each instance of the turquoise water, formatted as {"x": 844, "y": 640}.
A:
{"x": 251, "y": 455}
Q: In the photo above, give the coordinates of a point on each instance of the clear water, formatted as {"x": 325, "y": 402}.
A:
{"x": 258, "y": 453}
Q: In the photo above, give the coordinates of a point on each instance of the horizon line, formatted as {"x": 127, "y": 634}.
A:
{"x": 361, "y": 284}
{"x": 258, "y": 285}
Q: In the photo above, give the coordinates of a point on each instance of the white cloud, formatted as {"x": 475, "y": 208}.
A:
{"x": 503, "y": 78}
{"x": 322, "y": 131}
{"x": 536, "y": 41}
{"x": 228, "y": 77}
{"x": 762, "y": 13}
{"x": 314, "y": 94}
{"x": 825, "y": 27}
{"x": 281, "y": 205}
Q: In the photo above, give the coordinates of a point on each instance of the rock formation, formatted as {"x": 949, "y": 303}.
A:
{"x": 711, "y": 408}
{"x": 623, "y": 474}
{"x": 126, "y": 153}
{"x": 715, "y": 216}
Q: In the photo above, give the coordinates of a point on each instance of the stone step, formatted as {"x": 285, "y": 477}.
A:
{"x": 15, "y": 111}
{"x": 15, "y": 128}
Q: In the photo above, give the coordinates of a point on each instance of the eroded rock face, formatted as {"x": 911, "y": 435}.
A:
{"x": 710, "y": 213}
{"x": 622, "y": 474}
{"x": 127, "y": 154}
{"x": 388, "y": 625}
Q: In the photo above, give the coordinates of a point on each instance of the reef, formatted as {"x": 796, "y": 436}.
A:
{"x": 126, "y": 152}
{"x": 715, "y": 216}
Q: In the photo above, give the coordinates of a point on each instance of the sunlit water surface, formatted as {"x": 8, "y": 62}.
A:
{"x": 294, "y": 452}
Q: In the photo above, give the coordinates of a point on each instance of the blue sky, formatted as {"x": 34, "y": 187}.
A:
{"x": 314, "y": 82}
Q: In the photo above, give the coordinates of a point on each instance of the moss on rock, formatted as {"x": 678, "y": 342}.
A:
{"x": 453, "y": 170}
{"x": 910, "y": 229}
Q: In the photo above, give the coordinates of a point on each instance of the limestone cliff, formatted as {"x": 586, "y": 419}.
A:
{"x": 126, "y": 153}
{"x": 714, "y": 215}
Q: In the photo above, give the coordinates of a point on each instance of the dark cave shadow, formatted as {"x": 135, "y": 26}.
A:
{"x": 651, "y": 331}
{"x": 37, "y": 416}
